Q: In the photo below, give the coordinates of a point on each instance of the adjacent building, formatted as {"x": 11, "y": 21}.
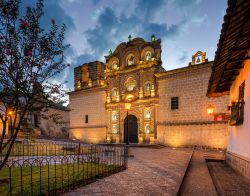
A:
{"x": 168, "y": 107}
{"x": 231, "y": 75}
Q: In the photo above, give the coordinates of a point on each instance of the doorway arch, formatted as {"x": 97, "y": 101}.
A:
{"x": 132, "y": 122}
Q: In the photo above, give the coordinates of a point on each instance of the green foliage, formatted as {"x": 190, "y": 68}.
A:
{"x": 30, "y": 57}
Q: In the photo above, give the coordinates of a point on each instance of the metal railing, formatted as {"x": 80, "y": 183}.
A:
{"x": 55, "y": 168}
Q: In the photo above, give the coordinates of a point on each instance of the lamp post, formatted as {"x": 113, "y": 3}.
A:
{"x": 127, "y": 107}
{"x": 10, "y": 126}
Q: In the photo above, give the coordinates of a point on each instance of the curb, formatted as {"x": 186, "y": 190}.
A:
{"x": 179, "y": 186}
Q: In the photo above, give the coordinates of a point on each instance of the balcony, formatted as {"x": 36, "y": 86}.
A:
{"x": 237, "y": 114}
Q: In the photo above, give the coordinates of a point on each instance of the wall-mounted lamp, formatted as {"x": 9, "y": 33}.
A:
{"x": 210, "y": 109}
{"x": 127, "y": 106}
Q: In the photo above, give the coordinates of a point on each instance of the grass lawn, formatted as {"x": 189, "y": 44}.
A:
{"x": 38, "y": 180}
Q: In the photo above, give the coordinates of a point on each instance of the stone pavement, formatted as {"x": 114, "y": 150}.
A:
{"x": 198, "y": 180}
{"x": 151, "y": 172}
{"x": 227, "y": 181}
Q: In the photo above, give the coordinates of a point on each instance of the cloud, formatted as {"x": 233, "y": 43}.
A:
{"x": 112, "y": 28}
{"x": 52, "y": 9}
{"x": 184, "y": 57}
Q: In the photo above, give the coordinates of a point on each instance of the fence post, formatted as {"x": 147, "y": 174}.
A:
{"x": 125, "y": 156}
{"x": 79, "y": 151}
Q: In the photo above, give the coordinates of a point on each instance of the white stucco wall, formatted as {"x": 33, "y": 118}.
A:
{"x": 239, "y": 139}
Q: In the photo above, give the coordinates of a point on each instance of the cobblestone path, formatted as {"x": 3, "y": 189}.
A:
{"x": 151, "y": 172}
{"x": 227, "y": 181}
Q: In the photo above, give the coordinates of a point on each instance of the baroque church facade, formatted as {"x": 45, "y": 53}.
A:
{"x": 167, "y": 107}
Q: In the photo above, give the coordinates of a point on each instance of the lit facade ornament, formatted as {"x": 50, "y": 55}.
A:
{"x": 130, "y": 60}
{"x": 114, "y": 116}
{"x": 199, "y": 57}
{"x": 152, "y": 91}
{"x": 147, "y": 114}
{"x": 130, "y": 97}
{"x": 127, "y": 106}
{"x": 102, "y": 82}
{"x": 147, "y": 128}
{"x": 147, "y": 88}
{"x": 114, "y": 128}
{"x": 108, "y": 99}
{"x": 114, "y": 94}
{"x": 78, "y": 86}
{"x": 90, "y": 83}
{"x": 148, "y": 56}
{"x": 130, "y": 84}
{"x": 114, "y": 65}
{"x": 117, "y": 98}
{"x": 141, "y": 93}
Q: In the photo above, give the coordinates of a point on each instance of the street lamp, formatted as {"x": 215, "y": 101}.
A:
{"x": 10, "y": 125}
{"x": 127, "y": 107}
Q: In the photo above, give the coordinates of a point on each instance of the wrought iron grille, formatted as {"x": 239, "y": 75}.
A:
{"x": 55, "y": 168}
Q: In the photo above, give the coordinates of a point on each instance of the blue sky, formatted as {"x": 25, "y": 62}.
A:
{"x": 96, "y": 26}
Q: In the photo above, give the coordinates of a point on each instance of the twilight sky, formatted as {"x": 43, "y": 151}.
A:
{"x": 95, "y": 26}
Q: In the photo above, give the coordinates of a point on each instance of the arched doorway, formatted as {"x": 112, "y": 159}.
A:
{"x": 131, "y": 122}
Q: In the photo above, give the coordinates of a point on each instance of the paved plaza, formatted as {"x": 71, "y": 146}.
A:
{"x": 150, "y": 172}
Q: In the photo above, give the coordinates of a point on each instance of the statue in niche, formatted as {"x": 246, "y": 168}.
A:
{"x": 114, "y": 65}
{"x": 131, "y": 60}
{"x": 148, "y": 56}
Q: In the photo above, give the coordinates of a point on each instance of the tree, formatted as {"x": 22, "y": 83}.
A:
{"x": 30, "y": 57}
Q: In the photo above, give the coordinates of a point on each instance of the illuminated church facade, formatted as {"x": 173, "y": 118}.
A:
{"x": 168, "y": 107}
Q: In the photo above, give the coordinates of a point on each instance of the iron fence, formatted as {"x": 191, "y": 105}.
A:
{"x": 55, "y": 168}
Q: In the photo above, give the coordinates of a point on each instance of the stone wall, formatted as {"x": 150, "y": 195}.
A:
{"x": 239, "y": 163}
{"x": 205, "y": 135}
{"x": 91, "y": 103}
{"x": 190, "y": 124}
{"x": 58, "y": 128}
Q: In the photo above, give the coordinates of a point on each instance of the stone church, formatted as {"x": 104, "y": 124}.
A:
{"x": 168, "y": 107}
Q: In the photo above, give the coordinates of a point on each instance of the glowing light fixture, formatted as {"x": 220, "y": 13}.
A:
{"x": 210, "y": 109}
{"x": 127, "y": 106}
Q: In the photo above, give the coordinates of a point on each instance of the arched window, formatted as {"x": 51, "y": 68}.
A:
{"x": 130, "y": 84}
{"x": 147, "y": 88}
{"x": 148, "y": 56}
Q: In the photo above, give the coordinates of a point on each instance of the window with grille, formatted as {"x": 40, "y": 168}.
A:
{"x": 174, "y": 103}
{"x": 86, "y": 118}
{"x": 237, "y": 108}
